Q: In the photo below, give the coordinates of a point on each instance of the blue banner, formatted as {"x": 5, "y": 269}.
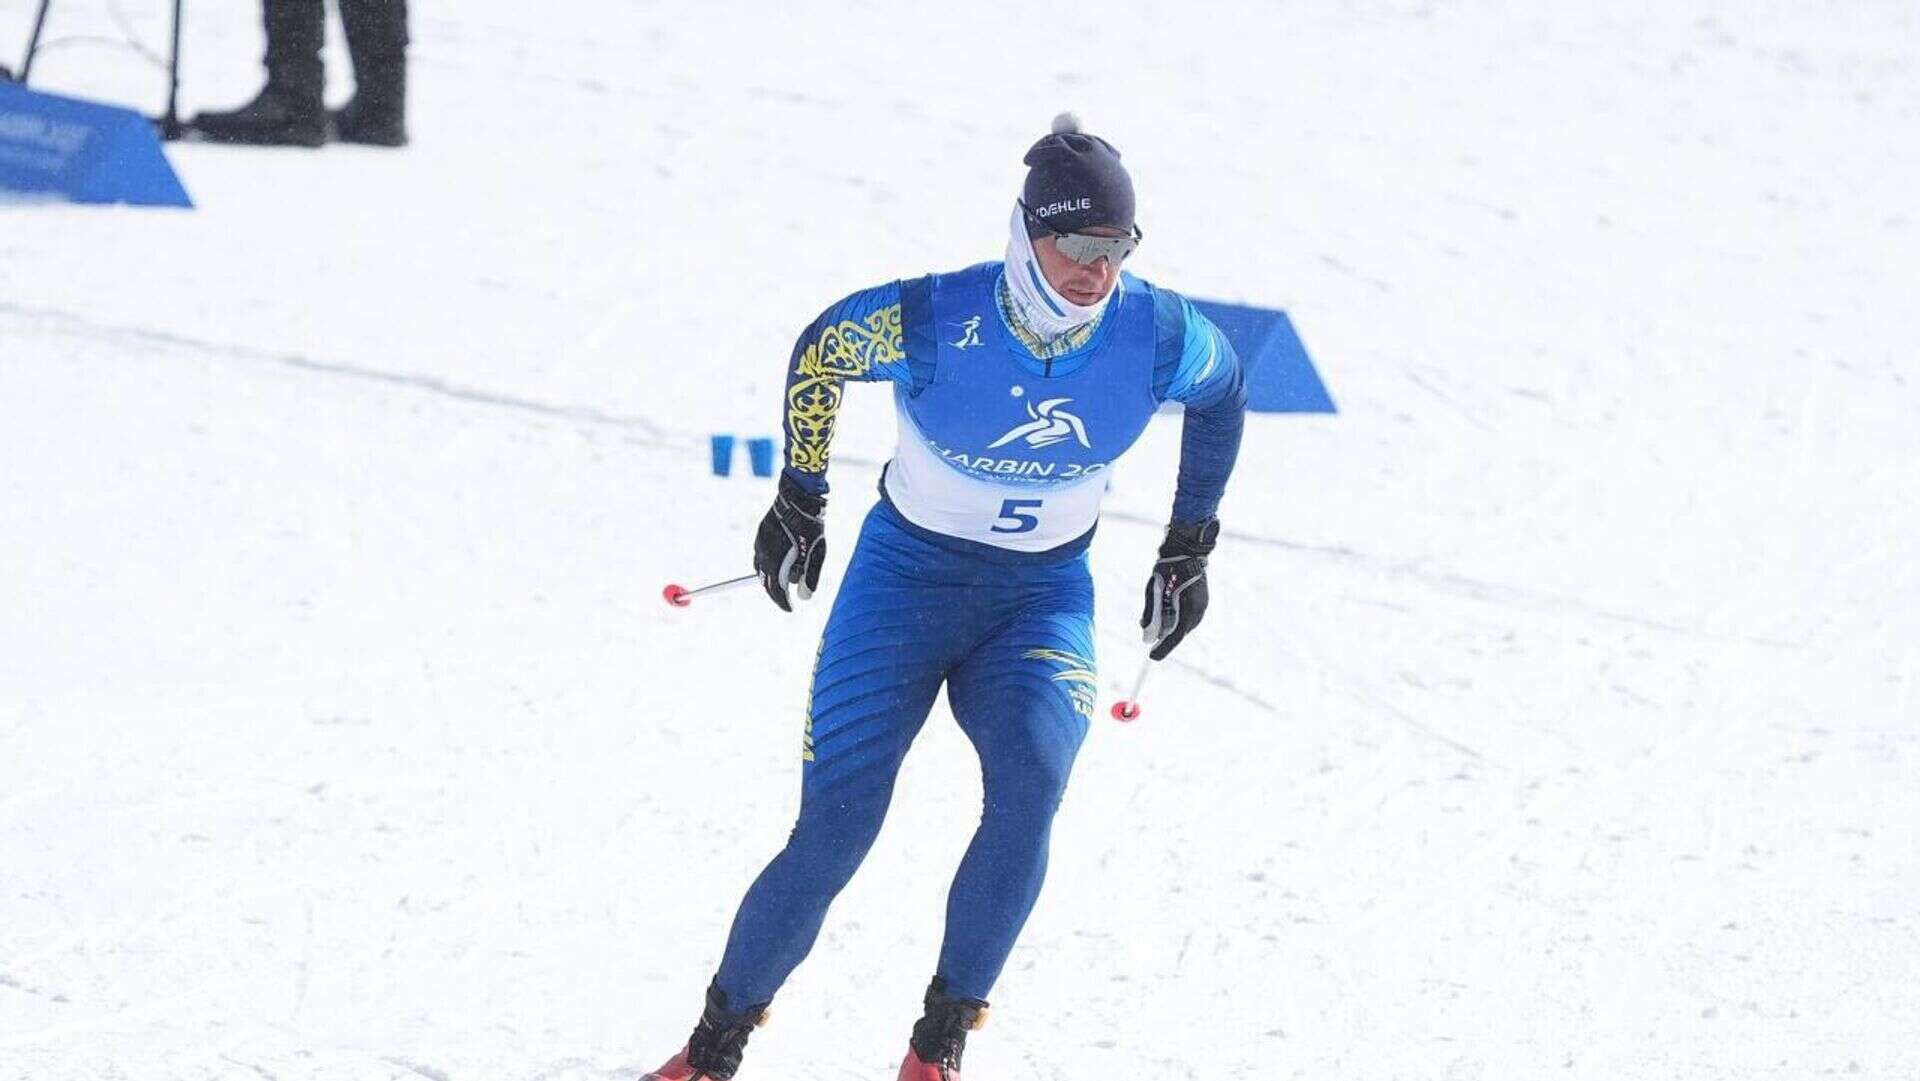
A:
{"x": 1280, "y": 376}
{"x": 64, "y": 148}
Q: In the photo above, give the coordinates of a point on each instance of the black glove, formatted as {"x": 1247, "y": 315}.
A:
{"x": 791, "y": 545}
{"x": 1177, "y": 592}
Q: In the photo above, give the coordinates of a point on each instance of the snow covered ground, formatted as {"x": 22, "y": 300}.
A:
{"x": 1555, "y": 717}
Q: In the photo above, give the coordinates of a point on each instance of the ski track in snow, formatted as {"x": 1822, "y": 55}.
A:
{"x": 1554, "y": 715}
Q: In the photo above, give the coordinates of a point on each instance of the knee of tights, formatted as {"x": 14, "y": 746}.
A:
{"x": 1025, "y": 804}
{"x": 832, "y": 845}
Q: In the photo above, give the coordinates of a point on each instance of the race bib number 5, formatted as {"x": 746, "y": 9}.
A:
{"x": 1014, "y": 517}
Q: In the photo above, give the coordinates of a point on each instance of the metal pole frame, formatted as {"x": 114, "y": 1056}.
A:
{"x": 170, "y": 126}
{"x": 33, "y": 42}
{"x": 169, "y": 123}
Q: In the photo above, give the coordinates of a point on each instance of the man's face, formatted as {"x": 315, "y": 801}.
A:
{"x": 1081, "y": 283}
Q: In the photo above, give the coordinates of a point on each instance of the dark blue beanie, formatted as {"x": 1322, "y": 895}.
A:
{"x": 1075, "y": 181}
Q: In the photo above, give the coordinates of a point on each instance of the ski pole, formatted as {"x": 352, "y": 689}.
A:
{"x": 170, "y": 126}
{"x": 1128, "y": 708}
{"x": 33, "y": 42}
{"x": 680, "y": 596}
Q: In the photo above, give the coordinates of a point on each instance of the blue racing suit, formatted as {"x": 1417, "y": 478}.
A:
{"x": 971, "y": 571}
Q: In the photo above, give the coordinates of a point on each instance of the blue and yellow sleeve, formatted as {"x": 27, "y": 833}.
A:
{"x": 864, "y": 337}
{"x": 1197, "y": 367}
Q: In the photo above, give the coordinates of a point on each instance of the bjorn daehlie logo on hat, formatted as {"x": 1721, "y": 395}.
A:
{"x": 1064, "y": 206}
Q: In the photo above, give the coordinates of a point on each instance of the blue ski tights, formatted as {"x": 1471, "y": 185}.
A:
{"x": 1011, "y": 635}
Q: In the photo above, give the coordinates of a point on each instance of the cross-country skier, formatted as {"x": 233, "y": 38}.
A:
{"x": 1017, "y": 383}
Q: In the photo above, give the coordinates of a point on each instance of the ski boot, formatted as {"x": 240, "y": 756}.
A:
{"x": 377, "y": 114}
{"x": 370, "y": 124}
{"x": 377, "y": 42}
{"x": 713, "y": 1051}
{"x": 279, "y": 116}
{"x": 933, "y": 1052}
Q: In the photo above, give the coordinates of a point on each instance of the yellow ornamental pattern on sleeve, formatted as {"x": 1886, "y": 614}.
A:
{"x": 845, "y": 350}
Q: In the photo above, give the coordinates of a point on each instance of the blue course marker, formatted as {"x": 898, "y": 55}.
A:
{"x": 1280, "y": 376}
{"x": 722, "y": 455}
{"x": 55, "y": 147}
{"x": 760, "y": 453}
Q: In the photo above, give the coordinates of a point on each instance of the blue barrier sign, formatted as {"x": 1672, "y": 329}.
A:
{"x": 64, "y": 148}
{"x": 1280, "y": 376}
